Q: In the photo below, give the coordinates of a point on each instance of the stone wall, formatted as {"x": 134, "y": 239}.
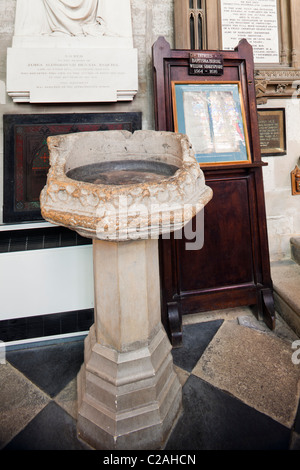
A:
{"x": 283, "y": 209}
{"x": 150, "y": 19}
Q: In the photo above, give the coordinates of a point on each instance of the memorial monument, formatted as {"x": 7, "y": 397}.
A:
{"x": 51, "y": 18}
{"x": 72, "y": 51}
{"x": 255, "y": 20}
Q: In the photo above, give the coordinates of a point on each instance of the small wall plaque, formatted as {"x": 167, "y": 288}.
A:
{"x": 206, "y": 64}
{"x": 272, "y": 131}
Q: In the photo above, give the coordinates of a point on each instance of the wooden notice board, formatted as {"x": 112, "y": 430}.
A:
{"x": 193, "y": 90}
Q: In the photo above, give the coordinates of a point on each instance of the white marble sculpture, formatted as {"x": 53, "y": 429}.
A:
{"x": 73, "y": 18}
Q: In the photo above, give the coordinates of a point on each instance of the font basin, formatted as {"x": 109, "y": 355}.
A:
{"x": 118, "y": 186}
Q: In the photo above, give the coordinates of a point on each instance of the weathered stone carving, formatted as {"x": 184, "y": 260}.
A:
{"x": 112, "y": 211}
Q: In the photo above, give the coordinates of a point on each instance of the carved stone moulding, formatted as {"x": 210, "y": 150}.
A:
{"x": 283, "y": 83}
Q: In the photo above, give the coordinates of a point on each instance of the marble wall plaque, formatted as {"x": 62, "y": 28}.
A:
{"x": 70, "y": 75}
{"x": 256, "y": 21}
{"x": 272, "y": 130}
{"x": 83, "y": 56}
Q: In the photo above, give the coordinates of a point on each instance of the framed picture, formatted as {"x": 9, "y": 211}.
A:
{"x": 26, "y": 157}
{"x": 272, "y": 131}
{"x": 212, "y": 115}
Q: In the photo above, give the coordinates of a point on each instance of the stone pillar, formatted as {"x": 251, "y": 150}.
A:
{"x": 129, "y": 394}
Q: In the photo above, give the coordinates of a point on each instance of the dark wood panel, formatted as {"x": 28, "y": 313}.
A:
{"x": 233, "y": 268}
{"x": 218, "y": 299}
{"x": 226, "y": 257}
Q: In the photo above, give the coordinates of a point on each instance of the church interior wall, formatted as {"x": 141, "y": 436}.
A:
{"x": 283, "y": 209}
{"x": 151, "y": 19}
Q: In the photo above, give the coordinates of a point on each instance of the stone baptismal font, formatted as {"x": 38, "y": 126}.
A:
{"x": 124, "y": 190}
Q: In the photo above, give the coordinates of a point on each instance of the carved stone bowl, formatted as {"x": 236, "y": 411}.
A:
{"x": 114, "y": 185}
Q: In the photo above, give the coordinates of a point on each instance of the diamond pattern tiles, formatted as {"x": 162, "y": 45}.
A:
{"x": 232, "y": 397}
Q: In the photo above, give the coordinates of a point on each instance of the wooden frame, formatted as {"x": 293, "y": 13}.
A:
{"x": 236, "y": 65}
{"x": 233, "y": 267}
{"x": 26, "y": 153}
{"x": 271, "y": 122}
{"x": 213, "y": 110}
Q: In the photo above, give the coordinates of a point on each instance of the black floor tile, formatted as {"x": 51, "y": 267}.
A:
{"x": 68, "y": 322}
{"x": 13, "y": 330}
{"x": 214, "y": 420}
{"x": 211, "y": 419}
{"x": 46, "y": 325}
{"x": 297, "y": 420}
{"x": 34, "y": 327}
{"x": 68, "y": 238}
{"x": 50, "y": 367}
{"x": 295, "y": 441}
{"x": 85, "y": 319}
{"x": 196, "y": 338}
{"x": 52, "y": 325}
{"x": 18, "y": 244}
{"x": 51, "y": 429}
{"x": 35, "y": 243}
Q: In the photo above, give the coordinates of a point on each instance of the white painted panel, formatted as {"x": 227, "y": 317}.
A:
{"x": 25, "y": 226}
{"x": 47, "y": 281}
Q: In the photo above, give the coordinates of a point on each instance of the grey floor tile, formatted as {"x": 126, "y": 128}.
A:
{"x": 20, "y": 402}
{"x": 212, "y": 419}
{"x": 255, "y": 367}
{"x": 67, "y": 398}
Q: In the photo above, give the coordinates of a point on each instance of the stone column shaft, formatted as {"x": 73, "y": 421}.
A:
{"x": 127, "y": 300}
{"x": 129, "y": 396}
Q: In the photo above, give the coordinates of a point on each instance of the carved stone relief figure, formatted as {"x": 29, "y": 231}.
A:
{"x": 61, "y": 17}
{"x": 74, "y": 17}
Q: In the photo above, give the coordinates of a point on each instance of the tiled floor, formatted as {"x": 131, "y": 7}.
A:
{"x": 240, "y": 390}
